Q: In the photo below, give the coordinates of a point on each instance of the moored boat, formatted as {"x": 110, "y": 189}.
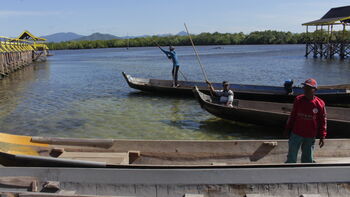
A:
{"x": 113, "y": 153}
{"x": 337, "y": 94}
{"x": 271, "y": 114}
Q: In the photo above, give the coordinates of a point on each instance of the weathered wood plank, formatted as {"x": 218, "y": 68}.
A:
{"x": 18, "y": 181}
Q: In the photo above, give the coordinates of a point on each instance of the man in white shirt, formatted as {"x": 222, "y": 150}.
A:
{"x": 225, "y": 95}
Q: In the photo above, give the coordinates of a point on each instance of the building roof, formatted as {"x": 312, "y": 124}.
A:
{"x": 26, "y": 35}
{"x": 341, "y": 14}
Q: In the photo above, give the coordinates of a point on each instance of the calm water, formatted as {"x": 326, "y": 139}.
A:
{"x": 81, "y": 93}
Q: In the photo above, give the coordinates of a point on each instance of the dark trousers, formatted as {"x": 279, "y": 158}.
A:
{"x": 307, "y": 149}
{"x": 174, "y": 72}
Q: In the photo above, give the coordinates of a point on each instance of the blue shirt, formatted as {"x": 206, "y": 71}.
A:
{"x": 172, "y": 55}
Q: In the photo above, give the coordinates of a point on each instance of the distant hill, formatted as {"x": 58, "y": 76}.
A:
{"x": 98, "y": 36}
{"x": 61, "y": 37}
{"x": 69, "y": 36}
{"x": 181, "y": 33}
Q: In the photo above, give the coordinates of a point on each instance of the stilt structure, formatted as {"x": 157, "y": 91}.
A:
{"x": 16, "y": 53}
{"x": 325, "y": 41}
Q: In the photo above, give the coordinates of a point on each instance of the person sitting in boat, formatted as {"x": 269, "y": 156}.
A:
{"x": 225, "y": 95}
{"x": 306, "y": 122}
{"x": 171, "y": 54}
{"x": 288, "y": 86}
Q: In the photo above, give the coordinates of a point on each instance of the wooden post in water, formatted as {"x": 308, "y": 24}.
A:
{"x": 342, "y": 44}
{"x": 315, "y": 50}
{"x": 321, "y": 43}
{"x": 307, "y": 42}
{"x": 2, "y": 70}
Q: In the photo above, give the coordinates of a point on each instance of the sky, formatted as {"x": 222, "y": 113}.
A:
{"x": 140, "y": 17}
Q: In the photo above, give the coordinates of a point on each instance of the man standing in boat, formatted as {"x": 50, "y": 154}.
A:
{"x": 171, "y": 54}
{"x": 306, "y": 122}
{"x": 225, "y": 95}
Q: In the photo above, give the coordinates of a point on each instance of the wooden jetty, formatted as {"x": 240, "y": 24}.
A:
{"x": 174, "y": 168}
{"x": 325, "y": 41}
{"x": 337, "y": 94}
{"x": 271, "y": 114}
{"x": 16, "y": 53}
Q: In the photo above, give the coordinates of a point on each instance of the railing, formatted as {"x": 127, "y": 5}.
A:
{"x": 16, "y": 54}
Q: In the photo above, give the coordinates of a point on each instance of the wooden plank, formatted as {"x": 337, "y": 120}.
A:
{"x": 105, "y": 143}
{"x": 310, "y": 195}
{"x": 133, "y": 156}
{"x": 193, "y": 195}
{"x": 19, "y": 140}
{"x": 39, "y": 194}
{"x": 18, "y": 181}
{"x": 332, "y": 159}
{"x": 108, "y": 157}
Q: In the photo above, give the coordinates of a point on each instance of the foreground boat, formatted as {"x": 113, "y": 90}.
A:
{"x": 339, "y": 94}
{"x": 285, "y": 181}
{"x": 107, "y": 153}
{"x": 176, "y": 168}
{"x": 271, "y": 114}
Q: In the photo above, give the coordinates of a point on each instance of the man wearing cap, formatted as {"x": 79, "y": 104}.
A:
{"x": 171, "y": 54}
{"x": 306, "y": 122}
{"x": 225, "y": 95}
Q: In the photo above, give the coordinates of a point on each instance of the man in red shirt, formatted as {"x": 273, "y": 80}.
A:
{"x": 306, "y": 122}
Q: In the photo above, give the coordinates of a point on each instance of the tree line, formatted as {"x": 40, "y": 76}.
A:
{"x": 257, "y": 37}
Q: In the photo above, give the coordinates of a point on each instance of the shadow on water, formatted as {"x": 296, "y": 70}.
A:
{"x": 224, "y": 129}
{"x": 239, "y": 130}
{"x": 141, "y": 94}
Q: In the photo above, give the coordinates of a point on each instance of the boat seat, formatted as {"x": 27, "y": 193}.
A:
{"x": 111, "y": 158}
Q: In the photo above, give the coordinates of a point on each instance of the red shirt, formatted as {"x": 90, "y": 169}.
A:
{"x": 308, "y": 117}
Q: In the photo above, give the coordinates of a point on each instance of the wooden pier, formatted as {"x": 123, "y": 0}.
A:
{"x": 16, "y": 53}
{"x": 330, "y": 37}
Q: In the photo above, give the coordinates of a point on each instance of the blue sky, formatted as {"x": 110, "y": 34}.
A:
{"x": 138, "y": 17}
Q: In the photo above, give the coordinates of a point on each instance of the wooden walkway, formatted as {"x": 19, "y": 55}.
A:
{"x": 17, "y": 53}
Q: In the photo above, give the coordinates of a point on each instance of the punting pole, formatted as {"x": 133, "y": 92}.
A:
{"x": 195, "y": 51}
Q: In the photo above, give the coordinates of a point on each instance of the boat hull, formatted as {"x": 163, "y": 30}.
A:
{"x": 271, "y": 114}
{"x": 331, "y": 95}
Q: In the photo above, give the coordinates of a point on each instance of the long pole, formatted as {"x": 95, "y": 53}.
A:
{"x": 195, "y": 51}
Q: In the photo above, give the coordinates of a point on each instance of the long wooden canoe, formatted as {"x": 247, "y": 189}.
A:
{"x": 271, "y": 114}
{"x": 113, "y": 153}
{"x": 338, "y": 94}
{"x": 221, "y": 181}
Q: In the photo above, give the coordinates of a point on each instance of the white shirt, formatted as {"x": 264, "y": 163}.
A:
{"x": 225, "y": 96}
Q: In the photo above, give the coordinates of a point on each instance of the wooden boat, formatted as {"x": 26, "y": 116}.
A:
{"x": 338, "y": 94}
{"x": 69, "y": 167}
{"x": 271, "y": 114}
{"x": 109, "y": 153}
{"x": 307, "y": 181}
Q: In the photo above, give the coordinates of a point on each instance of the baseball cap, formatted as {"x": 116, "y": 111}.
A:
{"x": 310, "y": 82}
